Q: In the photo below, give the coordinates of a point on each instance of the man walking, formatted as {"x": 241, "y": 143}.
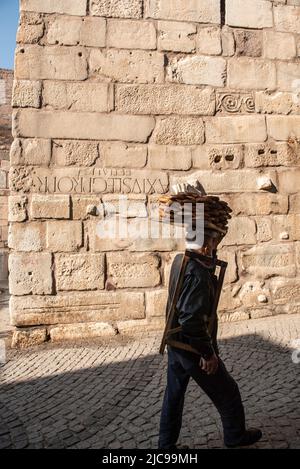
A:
{"x": 193, "y": 308}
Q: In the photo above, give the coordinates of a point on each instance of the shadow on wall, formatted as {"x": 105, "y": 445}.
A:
{"x": 104, "y": 404}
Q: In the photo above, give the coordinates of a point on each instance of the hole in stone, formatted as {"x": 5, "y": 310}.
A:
{"x": 217, "y": 158}
{"x": 261, "y": 152}
{"x": 29, "y": 273}
{"x": 229, "y": 157}
{"x": 80, "y": 54}
{"x": 22, "y": 51}
{"x": 273, "y": 152}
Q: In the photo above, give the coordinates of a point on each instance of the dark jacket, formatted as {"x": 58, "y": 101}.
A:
{"x": 194, "y": 306}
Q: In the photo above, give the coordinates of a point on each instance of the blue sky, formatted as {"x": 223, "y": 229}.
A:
{"x": 9, "y": 16}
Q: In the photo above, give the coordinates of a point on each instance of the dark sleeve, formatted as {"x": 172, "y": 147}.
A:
{"x": 193, "y": 309}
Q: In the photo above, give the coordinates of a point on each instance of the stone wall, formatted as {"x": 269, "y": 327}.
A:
{"x": 128, "y": 97}
{"x": 6, "y": 82}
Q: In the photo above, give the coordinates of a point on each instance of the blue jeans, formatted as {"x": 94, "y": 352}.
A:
{"x": 221, "y": 388}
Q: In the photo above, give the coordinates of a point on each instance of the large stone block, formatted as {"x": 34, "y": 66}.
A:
{"x": 81, "y": 331}
{"x": 289, "y": 181}
{"x": 72, "y": 152}
{"x": 283, "y": 127}
{"x": 67, "y": 308}
{"x": 249, "y": 13}
{"x": 84, "y": 125}
{"x": 30, "y": 274}
{"x": 46, "y": 63}
{"x": 229, "y": 256}
{"x": 29, "y": 337}
{"x": 123, "y": 155}
{"x": 286, "y": 227}
{"x": 258, "y": 204}
{"x": 26, "y": 236}
{"x": 131, "y": 34}
{"x": 287, "y": 18}
{"x": 285, "y": 291}
{"x": 248, "y": 43}
{"x": 79, "y": 271}
{"x": 237, "y": 129}
{"x": 88, "y": 97}
{"x": 69, "y": 7}
{"x": 218, "y": 156}
{"x": 64, "y": 30}
{"x": 276, "y": 103}
{"x": 271, "y": 154}
{"x": 84, "y": 206}
{"x": 206, "y": 11}
{"x": 209, "y": 41}
{"x": 31, "y": 152}
{"x": 156, "y": 302}
{"x": 288, "y": 77}
{"x": 130, "y": 270}
{"x": 165, "y": 99}
{"x": 29, "y": 33}
{"x": 64, "y": 235}
{"x": 294, "y": 203}
{"x": 270, "y": 260}
{"x": 241, "y": 230}
{"x": 178, "y": 131}
{"x": 125, "y": 66}
{"x": 169, "y": 157}
{"x": 245, "y": 73}
{"x": 119, "y": 9}
{"x": 17, "y": 208}
{"x": 93, "y": 32}
{"x": 197, "y": 70}
{"x": 176, "y": 37}
{"x": 49, "y": 206}
{"x": 279, "y": 45}
{"x": 27, "y": 93}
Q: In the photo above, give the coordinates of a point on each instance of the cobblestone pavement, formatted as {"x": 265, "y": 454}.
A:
{"x": 109, "y": 395}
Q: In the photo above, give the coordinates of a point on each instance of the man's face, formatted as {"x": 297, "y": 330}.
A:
{"x": 211, "y": 244}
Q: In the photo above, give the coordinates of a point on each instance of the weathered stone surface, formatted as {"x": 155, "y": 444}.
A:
{"x": 287, "y": 18}
{"x": 123, "y": 155}
{"x": 237, "y": 129}
{"x": 286, "y": 227}
{"x": 165, "y": 99}
{"x": 130, "y": 270}
{"x": 127, "y": 66}
{"x": 49, "y": 206}
{"x": 29, "y": 337}
{"x": 294, "y": 203}
{"x": 55, "y": 62}
{"x": 131, "y": 34}
{"x": 124, "y": 9}
{"x": 263, "y": 229}
{"x": 79, "y": 271}
{"x": 245, "y": 73}
{"x": 72, "y": 152}
{"x": 271, "y": 154}
{"x": 81, "y": 331}
{"x": 27, "y": 93}
{"x": 283, "y": 127}
{"x": 231, "y": 274}
{"x": 285, "y": 291}
{"x": 93, "y": 32}
{"x": 177, "y": 37}
{"x": 69, "y": 7}
{"x": 287, "y": 77}
{"x": 30, "y": 274}
{"x": 279, "y": 45}
{"x": 197, "y": 70}
{"x": 277, "y": 102}
{"x": 17, "y": 208}
{"x": 82, "y": 206}
{"x": 33, "y": 152}
{"x": 169, "y": 157}
{"x": 228, "y": 42}
{"x": 289, "y": 181}
{"x": 128, "y": 206}
{"x": 225, "y": 181}
{"x": 218, "y": 156}
{"x": 30, "y": 33}
{"x": 208, "y": 41}
{"x": 234, "y": 316}
{"x": 253, "y": 293}
{"x": 98, "y": 242}
{"x": 249, "y": 13}
{"x": 93, "y": 126}
{"x": 64, "y": 30}
{"x": 229, "y": 299}
{"x": 206, "y": 11}
{"x": 178, "y": 131}
{"x": 27, "y": 236}
{"x": 270, "y": 260}
{"x": 156, "y": 302}
{"x": 66, "y": 308}
{"x": 258, "y": 204}
{"x": 64, "y": 236}
{"x": 241, "y": 230}
{"x": 248, "y": 43}
{"x": 89, "y": 97}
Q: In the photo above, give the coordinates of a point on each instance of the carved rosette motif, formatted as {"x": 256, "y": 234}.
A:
{"x": 235, "y": 103}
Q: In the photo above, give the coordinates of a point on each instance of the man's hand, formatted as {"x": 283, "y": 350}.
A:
{"x": 210, "y": 366}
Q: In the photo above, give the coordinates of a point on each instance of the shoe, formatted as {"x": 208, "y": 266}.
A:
{"x": 250, "y": 437}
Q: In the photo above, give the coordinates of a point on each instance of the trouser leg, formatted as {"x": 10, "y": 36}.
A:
{"x": 223, "y": 390}
{"x": 173, "y": 401}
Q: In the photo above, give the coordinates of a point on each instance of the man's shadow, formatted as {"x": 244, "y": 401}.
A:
{"x": 118, "y": 404}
